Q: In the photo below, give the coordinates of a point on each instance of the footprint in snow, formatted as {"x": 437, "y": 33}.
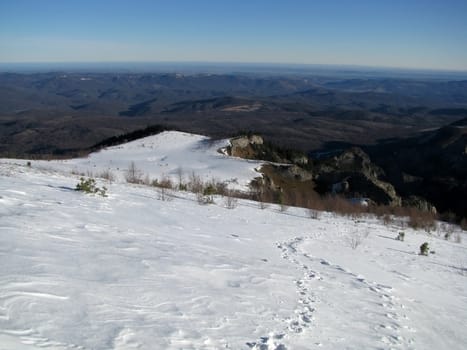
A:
{"x": 270, "y": 342}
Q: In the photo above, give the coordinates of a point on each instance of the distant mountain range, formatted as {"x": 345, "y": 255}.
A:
{"x": 412, "y": 129}
{"x": 64, "y": 112}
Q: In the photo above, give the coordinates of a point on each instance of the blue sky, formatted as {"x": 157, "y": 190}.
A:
{"x": 393, "y": 33}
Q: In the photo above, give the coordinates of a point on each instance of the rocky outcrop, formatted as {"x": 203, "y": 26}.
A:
{"x": 242, "y": 146}
{"x": 276, "y": 176}
{"x": 350, "y": 160}
{"x": 294, "y": 172}
{"x": 254, "y": 147}
{"x": 286, "y": 184}
{"x": 352, "y": 174}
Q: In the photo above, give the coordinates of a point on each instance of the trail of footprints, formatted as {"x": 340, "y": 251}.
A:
{"x": 309, "y": 299}
{"x": 303, "y": 317}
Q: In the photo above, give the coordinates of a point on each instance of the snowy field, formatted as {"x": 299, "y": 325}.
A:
{"x": 165, "y": 155}
{"x": 130, "y": 271}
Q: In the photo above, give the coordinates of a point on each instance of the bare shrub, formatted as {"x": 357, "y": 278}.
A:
{"x": 449, "y": 230}
{"x": 381, "y": 210}
{"x": 133, "y": 174}
{"x": 195, "y": 184}
{"x": 417, "y": 219}
{"x": 164, "y": 194}
{"x": 283, "y": 207}
{"x": 280, "y": 199}
{"x": 313, "y": 213}
{"x": 107, "y": 175}
{"x": 301, "y": 199}
{"x": 355, "y": 239}
{"x": 387, "y": 219}
{"x": 181, "y": 185}
{"x": 263, "y": 196}
{"x": 76, "y": 172}
{"x": 315, "y": 202}
{"x": 230, "y": 201}
{"x": 165, "y": 186}
{"x": 146, "y": 180}
{"x": 342, "y": 206}
{"x": 458, "y": 238}
{"x": 221, "y": 188}
{"x": 166, "y": 182}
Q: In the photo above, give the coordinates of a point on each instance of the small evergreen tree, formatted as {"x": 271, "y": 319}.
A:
{"x": 400, "y": 236}
{"x": 424, "y": 249}
{"x": 89, "y": 186}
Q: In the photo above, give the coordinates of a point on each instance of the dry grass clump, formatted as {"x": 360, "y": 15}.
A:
{"x": 342, "y": 206}
{"x": 421, "y": 219}
{"x": 416, "y": 218}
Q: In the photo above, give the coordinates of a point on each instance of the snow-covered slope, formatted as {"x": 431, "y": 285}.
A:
{"x": 168, "y": 154}
{"x": 133, "y": 272}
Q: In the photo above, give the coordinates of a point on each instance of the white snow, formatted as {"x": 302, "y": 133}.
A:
{"x": 133, "y": 272}
{"x": 165, "y": 155}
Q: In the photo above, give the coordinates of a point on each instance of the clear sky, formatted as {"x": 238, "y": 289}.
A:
{"x": 390, "y": 33}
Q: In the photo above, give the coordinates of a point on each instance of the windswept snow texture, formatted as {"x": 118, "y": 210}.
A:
{"x": 167, "y": 155}
{"x": 133, "y": 272}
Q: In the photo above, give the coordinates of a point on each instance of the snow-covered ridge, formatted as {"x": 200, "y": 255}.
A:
{"x": 167, "y": 154}
{"x": 130, "y": 271}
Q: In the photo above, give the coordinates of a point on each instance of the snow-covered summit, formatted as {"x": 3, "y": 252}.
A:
{"x": 168, "y": 154}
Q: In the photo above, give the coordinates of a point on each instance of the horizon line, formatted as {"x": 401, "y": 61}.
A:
{"x": 241, "y": 63}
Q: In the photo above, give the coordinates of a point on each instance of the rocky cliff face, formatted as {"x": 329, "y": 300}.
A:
{"x": 352, "y": 174}
{"x": 428, "y": 172}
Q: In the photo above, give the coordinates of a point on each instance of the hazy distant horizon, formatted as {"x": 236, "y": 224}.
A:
{"x": 200, "y": 67}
